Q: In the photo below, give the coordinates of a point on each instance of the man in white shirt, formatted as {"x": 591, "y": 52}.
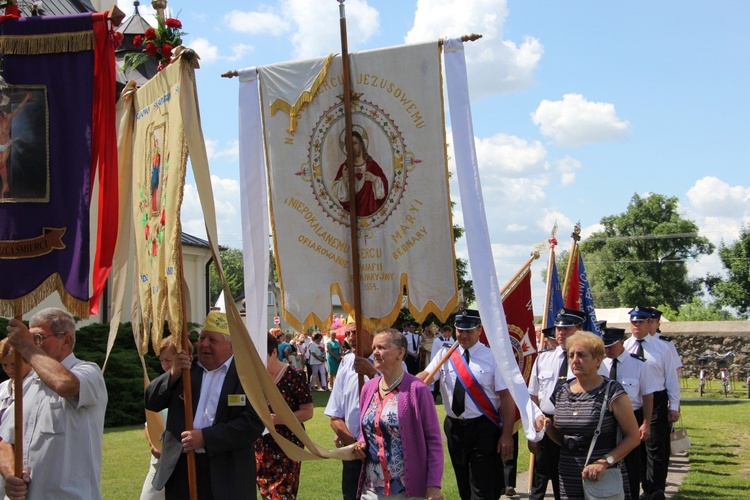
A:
{"x": 635, "y": 376}
{"x": 413, "y": 346}
{"x": 343, "y": 406}
{"x": 63, "y": 414}
{"x": 479, "y": 411}
{"x": 655, "y": 451}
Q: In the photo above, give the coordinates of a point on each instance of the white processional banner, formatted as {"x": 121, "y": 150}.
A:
{"x": 403, "y": 205}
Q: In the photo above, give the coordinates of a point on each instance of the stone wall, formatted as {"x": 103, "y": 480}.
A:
{"x": 691, "y": 347}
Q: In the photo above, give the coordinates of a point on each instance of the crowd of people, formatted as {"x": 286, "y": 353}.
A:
{"x": 608, "y": 403}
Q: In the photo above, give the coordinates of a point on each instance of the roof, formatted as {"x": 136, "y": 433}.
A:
{"x": 130, "y": 28}
{"x": 194, "y": 241}
{"x": 59, "y": 7}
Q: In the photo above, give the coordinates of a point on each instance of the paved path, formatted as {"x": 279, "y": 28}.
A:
{"x": 678, "y": 467}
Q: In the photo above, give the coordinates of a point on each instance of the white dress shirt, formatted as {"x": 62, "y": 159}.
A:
{"x": 544, "y": 377}
{"x": 482, "y": 365}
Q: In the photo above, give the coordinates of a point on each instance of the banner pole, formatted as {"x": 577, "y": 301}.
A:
{"x": 576, "y": 236}
{"x": 187, "y": 386}
{"x": 18, "y": 412}
{"x": 354, "y": 240}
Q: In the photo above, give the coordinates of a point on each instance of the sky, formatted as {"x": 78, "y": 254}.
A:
{"x": 577, "y": 105}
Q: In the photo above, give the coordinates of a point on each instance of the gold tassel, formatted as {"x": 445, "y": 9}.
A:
{"x": 56, "y": 43}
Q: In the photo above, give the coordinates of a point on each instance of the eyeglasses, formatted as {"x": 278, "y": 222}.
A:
{"x": 39, "y": 338}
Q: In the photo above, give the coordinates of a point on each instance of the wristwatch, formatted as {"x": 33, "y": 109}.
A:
{"x": 610, "y": 459}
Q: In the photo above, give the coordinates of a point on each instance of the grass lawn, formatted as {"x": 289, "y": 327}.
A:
{"x": 126, "y": 461}
{"x": 719, "y": 458}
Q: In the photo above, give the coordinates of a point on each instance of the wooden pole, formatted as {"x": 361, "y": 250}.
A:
{"x": 504, "y": 291}
{"x": 187, "y": 386}
{"x": 446, "y": 356}
{"x": 353, "y": 237}
{"x": 576, "y": 236}
{"x": 18, "y": 412}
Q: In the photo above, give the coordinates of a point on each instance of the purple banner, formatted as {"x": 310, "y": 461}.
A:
{"x": 46, "y": 132}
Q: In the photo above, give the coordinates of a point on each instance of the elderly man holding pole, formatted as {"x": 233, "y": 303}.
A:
{"x": 63, "y": 414}
{"x": 225, "y": 426}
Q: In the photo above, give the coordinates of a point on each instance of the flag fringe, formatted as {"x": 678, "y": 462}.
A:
{"x": 22, "y": 305}
{"x": 305, "y": 98}
{"x": 54, "y": 43}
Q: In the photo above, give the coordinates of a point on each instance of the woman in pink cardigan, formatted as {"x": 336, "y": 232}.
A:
{"x": 400, "y": 441}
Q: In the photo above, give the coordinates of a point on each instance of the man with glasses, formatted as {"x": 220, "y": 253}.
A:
{"x": 550, "y": 369}
{"x": 655, "y": 450}
{"x": 63, "y": 414}
{"x": 343, "y": 405}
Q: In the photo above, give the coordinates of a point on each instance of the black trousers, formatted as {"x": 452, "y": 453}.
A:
{"x": 472, "y": 445}
{"x": 633, "y": 462}
{"x": 545, "y": 468}
{"x": 510, "y": 468}
{"x": 655, "y": 451}
{"x": 350, "y": 478}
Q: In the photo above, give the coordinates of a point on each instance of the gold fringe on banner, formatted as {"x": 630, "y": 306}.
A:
{"x": 22, "y": 305}
{"x": 305, "y": 98}
{"x": 56, "y": 43}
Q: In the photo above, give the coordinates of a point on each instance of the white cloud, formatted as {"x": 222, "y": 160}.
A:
{"x": 307, "y": 17}
{"x": 226, "y": 201}
{"x": 712, "y": 196}
{"x": 260, "y": 22}
{"x": 514, "y": 228}
{"x": 239, "y": 51}
{"x": 506, "y": 155}
{"x": 228, "y": 150}
{"x": 567, "y": 168}
{"x": 494, "y": 65}
{"x": 575, "y": 121}
{"x": 208, "y": 52}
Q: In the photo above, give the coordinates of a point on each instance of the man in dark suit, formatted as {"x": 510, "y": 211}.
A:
{"x": 225, "y": 426}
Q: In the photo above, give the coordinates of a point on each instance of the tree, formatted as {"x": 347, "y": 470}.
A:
{"x": 231, "y": 262}
{"x": 642, "y": 254}
{"x": 697, "y": 310}
{"x": 734, "y": 291}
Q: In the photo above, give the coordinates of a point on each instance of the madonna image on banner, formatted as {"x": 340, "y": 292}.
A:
{"x": 24, "y": 157}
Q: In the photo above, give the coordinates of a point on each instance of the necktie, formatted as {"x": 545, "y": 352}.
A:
{"x": 459, "y": 393}
{"x": 639, "y": 349}
{"x": 613, "y": 370}
{"x": 414, "y": 342}
{"x": 563, "y": 373}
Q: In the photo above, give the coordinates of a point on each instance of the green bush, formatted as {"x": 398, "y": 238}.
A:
{"x": 123, "y": 375}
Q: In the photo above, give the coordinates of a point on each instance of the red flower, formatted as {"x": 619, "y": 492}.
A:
{"x": 163, "y": 217}
{"x": 154, "y": 248}
{"x": 152, "y": 49}
{"x": 173, "y": 23}
{"x": 148, "y": 231}
{"x": 118, "y": 37}
{"x": 166, "y": 51}
{"x": 150, "y": 34}
{"x": 137, "y": 40}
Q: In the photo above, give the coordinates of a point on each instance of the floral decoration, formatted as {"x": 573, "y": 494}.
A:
{"x": 157, "y": 43}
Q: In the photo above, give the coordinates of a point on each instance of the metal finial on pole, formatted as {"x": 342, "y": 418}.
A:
{"x": 159, "y": 6}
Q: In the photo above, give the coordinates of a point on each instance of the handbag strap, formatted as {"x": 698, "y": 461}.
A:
{"x": 599, "y": 425}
